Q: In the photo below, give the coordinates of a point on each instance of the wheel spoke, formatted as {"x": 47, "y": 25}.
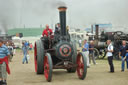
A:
{"x": 46, "y": 67}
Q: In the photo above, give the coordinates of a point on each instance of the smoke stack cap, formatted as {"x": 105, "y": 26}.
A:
{"x": 62, "y": 8}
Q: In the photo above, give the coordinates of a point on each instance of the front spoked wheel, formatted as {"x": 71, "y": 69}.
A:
{"x": 81, "y": 66}
{"x": 48, "y": 67}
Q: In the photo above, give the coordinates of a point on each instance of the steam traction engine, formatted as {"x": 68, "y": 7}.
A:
{"x": 59, "y": 52}
{"x": 115, "y": 37}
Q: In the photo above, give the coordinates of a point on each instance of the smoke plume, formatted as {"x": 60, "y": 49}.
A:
{"x": 7, "y": 13}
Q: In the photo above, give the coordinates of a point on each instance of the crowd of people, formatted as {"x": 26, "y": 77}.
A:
{"x": 6, "y": 52}
{"x": 88, "y": 50}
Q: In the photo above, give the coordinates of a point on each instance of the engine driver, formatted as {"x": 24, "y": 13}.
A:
{"x": 47, "y": 31}
{"x": 47, "y": 37}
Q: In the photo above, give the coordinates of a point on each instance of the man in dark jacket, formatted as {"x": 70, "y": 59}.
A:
{"x": 122, "y": 54}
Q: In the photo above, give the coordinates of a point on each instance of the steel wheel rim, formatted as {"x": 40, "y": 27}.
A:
{"x": 46, "y": 67}
{"x": 35, "y": 57}
{"x": 80, "y": 67}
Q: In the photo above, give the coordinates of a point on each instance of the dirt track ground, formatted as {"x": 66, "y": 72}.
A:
{"x": 24, "y": 74}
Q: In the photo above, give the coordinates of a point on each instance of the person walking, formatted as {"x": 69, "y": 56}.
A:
{"x": 110, "y": 55}
{"x": 85, "y": 49}
{"x": 123, "y": 54}
{"x": 4, "y": 67}
{"x": 25, "y": 52}
{"x": 91, "y": 53}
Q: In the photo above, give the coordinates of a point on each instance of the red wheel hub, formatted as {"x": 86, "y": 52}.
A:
{"x": 46, "y": 67}
{"x": 35, "y": 57}
{"x": 80, "y": 67}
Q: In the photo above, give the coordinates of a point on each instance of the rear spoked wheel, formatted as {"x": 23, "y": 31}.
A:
{"x": 81, "y": 66}
{"x": 48, "y": 67}
{"x": 39, "y": 56}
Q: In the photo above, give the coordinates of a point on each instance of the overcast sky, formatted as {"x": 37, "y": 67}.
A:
{"x": 80, "y": 13}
